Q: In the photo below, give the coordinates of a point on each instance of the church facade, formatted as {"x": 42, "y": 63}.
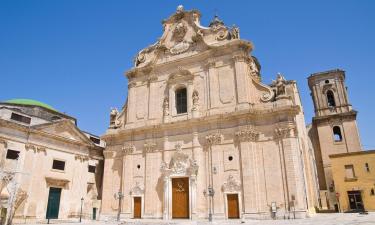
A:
{"x": 200, "y": 135}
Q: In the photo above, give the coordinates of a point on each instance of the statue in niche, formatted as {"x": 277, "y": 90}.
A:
{"x": 166, "y": 106}
{"x": 195, "y": 98}
{"x": 113, "y": 119}
{"x": 235, "y": 32}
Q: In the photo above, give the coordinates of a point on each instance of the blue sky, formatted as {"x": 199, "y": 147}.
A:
{"x": 72, "y": 54}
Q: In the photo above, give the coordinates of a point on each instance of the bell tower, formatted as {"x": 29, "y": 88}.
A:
{"x": 334, "y": 127}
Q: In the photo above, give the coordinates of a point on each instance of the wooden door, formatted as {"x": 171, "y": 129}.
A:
{"x": 180, "y": 198}
{"x": 53, "y": 204}
{"x": 233, "y": 207}
{"x": 137, "y": 207}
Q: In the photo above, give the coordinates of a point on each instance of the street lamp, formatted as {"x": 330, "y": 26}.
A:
{"x": 80, "y": 215}
{"x": 211, "y": 193}
{"x": 119, "y": 195}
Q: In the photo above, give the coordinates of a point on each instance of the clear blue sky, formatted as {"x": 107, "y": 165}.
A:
{"x": 72, "y": 54}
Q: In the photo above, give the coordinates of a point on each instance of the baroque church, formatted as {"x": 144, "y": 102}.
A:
{"x": 200, "y": 136}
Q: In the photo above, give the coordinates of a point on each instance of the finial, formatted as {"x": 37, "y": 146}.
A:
{"x": 180, "y": 8}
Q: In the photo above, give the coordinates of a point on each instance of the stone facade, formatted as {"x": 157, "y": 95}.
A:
{"x": 32, "y": 138}
{"x": 333, "y": 130}
{"x": 354, "y": 176}
{"x": 231, "y": 135}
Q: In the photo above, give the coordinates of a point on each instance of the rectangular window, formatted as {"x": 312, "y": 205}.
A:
{"x": 58, "y": 165}
{"x": 12, "y": 154}
{"x": 95, "y": 140}
{"x": 20, "y": 118}
{"x": 92, "y": 169}
{"x": 349, "y": 172}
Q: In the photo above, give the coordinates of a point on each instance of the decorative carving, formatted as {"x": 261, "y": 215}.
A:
{"x": 249, "y": 134}
{"x": 137, "y": 190}
{"x": 179, "y": 32}
{"x": 128, "y": 148}
{"x": 114, "y": 121}
{"x": 231, "y": 185}
{"x": 214, "y": 139}
{"x": 222, "y": 35}
{"x": 166, "y": 106}
{"x": 35, "y": 148}
{"x": 179, "y": 48}
{"x": 140, "y": 58}
{"x": 149, "y": 146}
{"x": 179, "y": 164}
{"x": 195, "y": 98}
{"x": 82, "y": 158}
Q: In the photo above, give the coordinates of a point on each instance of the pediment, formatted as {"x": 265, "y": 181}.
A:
{"x": 184, "y": 35}
{"x": 65, "y": 129}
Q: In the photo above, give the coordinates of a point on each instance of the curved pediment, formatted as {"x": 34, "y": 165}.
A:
{"x": 183, "y": 35}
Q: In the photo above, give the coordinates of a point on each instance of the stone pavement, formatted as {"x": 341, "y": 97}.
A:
{"x": 319, "y": 219}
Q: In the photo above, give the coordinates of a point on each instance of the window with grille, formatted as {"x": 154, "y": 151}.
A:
{"x": 12, "y": 154}
{"x": 58, "y": 165}
{"x": 92, "y": 169}
{"x": 20, "y": 118}
{"x": 181, "y": 101}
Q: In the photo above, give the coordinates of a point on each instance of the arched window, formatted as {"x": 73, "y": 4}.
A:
{"x": 337, "y": 133}
{"x": 330, "y": 99}
{"x": 181, "y": 101}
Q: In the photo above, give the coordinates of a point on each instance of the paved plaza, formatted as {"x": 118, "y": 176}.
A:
{"x": 319, "y": 219}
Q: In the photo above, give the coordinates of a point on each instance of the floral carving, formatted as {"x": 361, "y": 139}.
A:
{"x": 231, "y": 185}
{"x": 249, "y": 134}
{"x": 214, "y": 139}
{"x": 222, "y": 35}
{"x": 149, "y": 146}
{"x": 128, "y": 148}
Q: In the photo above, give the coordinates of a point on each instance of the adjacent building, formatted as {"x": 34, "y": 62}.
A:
{"x": 48, "y": 166}
{"x": 354, "y": 177}
{"x": 201, "y": 136}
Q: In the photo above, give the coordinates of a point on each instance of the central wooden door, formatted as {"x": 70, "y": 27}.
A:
{"x": 180, "y": 198}
{"x": 137, "y": 207}
{"x": 233, "y": 208}
{"x": 53, "y": 204}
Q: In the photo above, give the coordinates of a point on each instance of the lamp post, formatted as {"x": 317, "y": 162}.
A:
{"x": 80, "y": 215}
{"x": 211, "y": 193}
{"x": 119, "y": 195}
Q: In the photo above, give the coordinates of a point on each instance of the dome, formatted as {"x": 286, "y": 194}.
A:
{"x": 31, "y": 102}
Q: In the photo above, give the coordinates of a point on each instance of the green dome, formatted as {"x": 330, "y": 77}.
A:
{"x": 23, "y": 101}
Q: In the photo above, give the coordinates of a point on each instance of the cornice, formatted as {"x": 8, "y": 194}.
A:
{"x": 241, "y": 114}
